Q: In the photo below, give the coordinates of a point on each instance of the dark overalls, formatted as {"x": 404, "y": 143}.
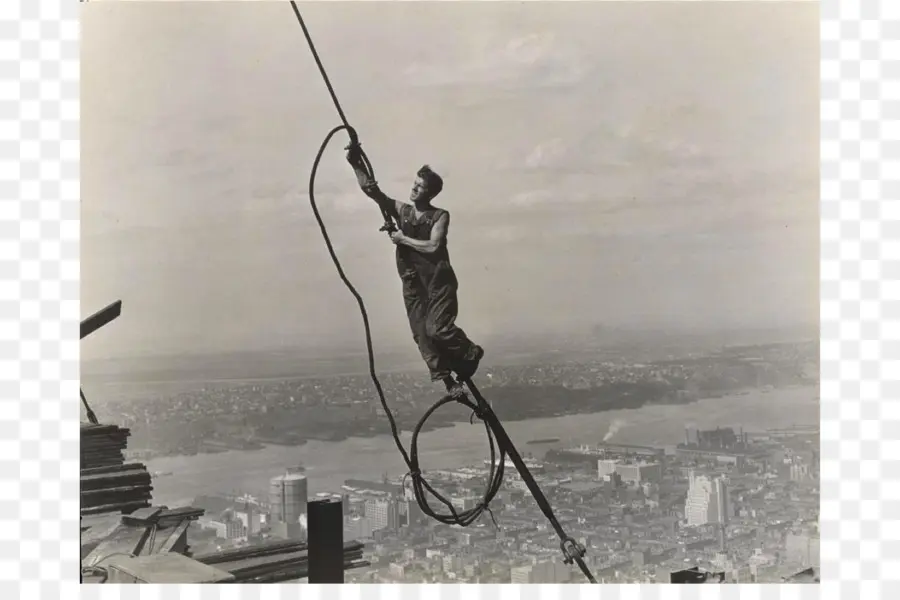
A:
{"x": 429, "y": 291}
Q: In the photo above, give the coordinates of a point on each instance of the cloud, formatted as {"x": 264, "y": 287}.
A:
{"x": 549, "y": 154}
{"x": 611, "y": 152}
{"x": 531, "y": 198}
{"x": 535, "y": 60}
{"x": 508, "y": 233}
{"x": 658, "y": 146}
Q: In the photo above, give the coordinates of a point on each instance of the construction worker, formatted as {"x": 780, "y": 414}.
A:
{"x": 429, "y": 282}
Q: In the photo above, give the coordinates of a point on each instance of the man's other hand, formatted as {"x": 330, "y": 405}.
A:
{"x": 397, "y": 237}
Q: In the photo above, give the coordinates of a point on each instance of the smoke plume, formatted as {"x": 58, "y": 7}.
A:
{"x": 614, "y": 428}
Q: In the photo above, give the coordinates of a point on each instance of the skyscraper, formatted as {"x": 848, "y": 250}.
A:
{"x": 707, "y": 501}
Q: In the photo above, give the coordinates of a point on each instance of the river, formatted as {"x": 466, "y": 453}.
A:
{"x": 328, "y": 464}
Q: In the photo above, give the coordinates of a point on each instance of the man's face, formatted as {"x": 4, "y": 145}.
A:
{"x": 419, "y": 191}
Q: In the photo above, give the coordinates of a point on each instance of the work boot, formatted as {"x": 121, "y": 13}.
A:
{"x": 470, "y": 363}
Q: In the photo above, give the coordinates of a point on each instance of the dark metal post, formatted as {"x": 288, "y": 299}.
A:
{"x": 89, "y": 326}
{"x": 325, "y": 524}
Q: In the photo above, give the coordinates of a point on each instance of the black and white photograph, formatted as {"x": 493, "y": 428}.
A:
{"x": 449, "y": 292}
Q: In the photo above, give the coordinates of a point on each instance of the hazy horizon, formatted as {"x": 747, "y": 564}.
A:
{"x": 667, "y": 178}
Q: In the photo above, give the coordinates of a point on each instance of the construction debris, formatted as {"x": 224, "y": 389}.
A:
{"x": 153, "y": 530}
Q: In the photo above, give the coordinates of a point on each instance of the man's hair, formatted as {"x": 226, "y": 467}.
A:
{"x": 433, "y": 182}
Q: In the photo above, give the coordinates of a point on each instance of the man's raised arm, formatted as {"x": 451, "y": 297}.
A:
{"x": 369, "y": 186}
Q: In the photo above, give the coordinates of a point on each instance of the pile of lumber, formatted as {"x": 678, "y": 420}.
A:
{"x": 103, "y": 445}
{"x": 108, "y": 485}
{"x": 273, "y": 562}
{"x": 121, "y": 489}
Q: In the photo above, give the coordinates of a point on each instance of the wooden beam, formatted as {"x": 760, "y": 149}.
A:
{"x": 101, "y": 318}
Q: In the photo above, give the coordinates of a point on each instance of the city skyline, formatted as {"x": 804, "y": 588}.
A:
{"x": 672, "y": 184}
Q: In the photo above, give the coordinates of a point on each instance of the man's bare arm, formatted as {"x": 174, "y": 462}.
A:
{"x": 438, "y": 235}
{"x": 370, "y": 188}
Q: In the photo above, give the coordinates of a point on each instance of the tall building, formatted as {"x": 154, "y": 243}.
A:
{"x": 707, "y": 501}
{"x": 412, "y": 513}
{"x": 249, "y": 516}
{"x": 723, "y": 510}
{"x": 287, "y": 499}
{"x": 383, "y": 514}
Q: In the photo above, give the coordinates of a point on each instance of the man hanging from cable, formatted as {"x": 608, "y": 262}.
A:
{"x": 429, "y": 282}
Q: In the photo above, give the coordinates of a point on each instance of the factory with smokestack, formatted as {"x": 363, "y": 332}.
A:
{"x": 721, "y": 445}
{"x": 720, "y": 438}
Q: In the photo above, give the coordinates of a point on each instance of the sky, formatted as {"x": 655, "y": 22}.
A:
{"x": 628, "y": 164}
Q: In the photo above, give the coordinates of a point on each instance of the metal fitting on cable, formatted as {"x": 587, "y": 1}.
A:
{"x": 572, "y": 550}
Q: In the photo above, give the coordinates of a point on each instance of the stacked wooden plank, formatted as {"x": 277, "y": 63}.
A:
{"x": 119, "y": 489}
{"x": 273, "y": 562}
{"x": 103, "y": 445}
{"x": 108, "y": 485}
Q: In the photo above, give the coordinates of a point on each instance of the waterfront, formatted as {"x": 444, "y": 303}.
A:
{"x": 328, "y": 464}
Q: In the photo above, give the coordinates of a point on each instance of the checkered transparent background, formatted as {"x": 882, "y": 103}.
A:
{"x": 39, "y": 217}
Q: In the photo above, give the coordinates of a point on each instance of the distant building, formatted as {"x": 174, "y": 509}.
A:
{"x": 287, "y": 531}
{"x": 411, "y": 513}
{"x": 720, "y": 439}
{"x": 707, "y": 501}
{"x": 357, "y": 528}
{"x": 800, "y": 472}
{"x": 287, "y": 501}
{"x": 250, "y": 517}
{"x": 451, "y": 563}
{"x": 626, "y": 450}
{"x": 541, "y": 572}
{"x": 463, "y": 504}
{"x": 226, "y": 526}
{"x": 741, "y": 574}
{"x": 633, "y": 472}
{"x": 640, "y": 472}
{"x": 721, "y": 445}
{"x": 605, "y": 468}
{"x": 383, "y": 514}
